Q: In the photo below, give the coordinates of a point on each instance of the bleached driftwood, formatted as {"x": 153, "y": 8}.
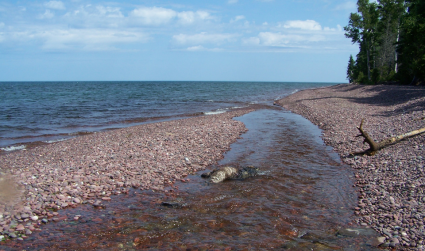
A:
{"x": 376, "y": 146}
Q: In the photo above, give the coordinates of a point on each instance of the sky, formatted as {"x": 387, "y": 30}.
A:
{"x": 175, "y": 40}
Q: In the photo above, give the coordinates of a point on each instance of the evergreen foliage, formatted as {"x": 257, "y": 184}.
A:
{"x": 391, "y": 38}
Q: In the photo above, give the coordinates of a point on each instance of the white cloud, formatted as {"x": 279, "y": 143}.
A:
{"x": 203, "y": 37}
{"x": 202, "y": 48}
{"x": 89, "y": 16}
{"x": 280, "y": 40}
{"x": 88, "y": 39}
{"x": 196, "y": 48}
{"x": 190, "y": 17}
{"x": 153, "y": 15}
{"x": 56, "y": 5}
{"x": 237, "y": 18}
{"x": 91, "y": 39}
{"x": 110, "y": 12}
{"x": 46, "y": 15}
{"x": 303, "y": 25}
{"x": 232, "y": 1}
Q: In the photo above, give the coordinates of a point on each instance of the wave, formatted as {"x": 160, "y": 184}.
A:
{"x": 214, "y": 112}
{"x": 13, "y": 148}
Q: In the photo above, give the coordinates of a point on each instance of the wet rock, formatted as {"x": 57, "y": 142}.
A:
{"x": 380, "y": 241}
{"x": 353, "y": 232}
{"x": 24, "y": 216}
{"x": 98, "y": 204}
{"x": 348, "y": 232}
{"x": 44, "y": 221}
{"x": 172, "y": 204}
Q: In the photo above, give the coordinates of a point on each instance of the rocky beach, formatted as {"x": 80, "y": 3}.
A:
{"x": 37, "y": 182}
{"x": 391, "y": 183}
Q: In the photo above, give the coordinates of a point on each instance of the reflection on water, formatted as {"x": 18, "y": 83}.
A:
{"x": 302, "y": 201}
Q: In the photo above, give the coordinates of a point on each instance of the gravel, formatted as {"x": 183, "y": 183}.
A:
{"x": 391, "y": 183}
{"x": 91, "y": 168}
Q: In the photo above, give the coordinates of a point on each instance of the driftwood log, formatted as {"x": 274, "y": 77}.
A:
{"x": 376, "y": 146}
{"x": 231, "y": 173}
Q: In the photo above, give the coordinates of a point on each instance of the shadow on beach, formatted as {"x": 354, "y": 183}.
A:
{"x": 382, "y": 95}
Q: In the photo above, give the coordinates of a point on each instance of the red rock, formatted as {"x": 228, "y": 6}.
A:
{"x": 106, "y": 198}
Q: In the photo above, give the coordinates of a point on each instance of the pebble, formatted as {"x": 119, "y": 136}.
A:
{"x": 20, "y": 227}
{"x": 34, "y": 218}
{"x": 45, "y": 220}
{"x": 381, "y": 240}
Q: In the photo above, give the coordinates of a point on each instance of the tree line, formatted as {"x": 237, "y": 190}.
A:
{"x": 391, "y": 39}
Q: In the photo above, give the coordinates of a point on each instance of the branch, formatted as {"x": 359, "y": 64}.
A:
{"x": 375, "y": 147}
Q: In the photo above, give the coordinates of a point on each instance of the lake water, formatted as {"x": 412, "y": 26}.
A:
{"x": 52, "y": 111}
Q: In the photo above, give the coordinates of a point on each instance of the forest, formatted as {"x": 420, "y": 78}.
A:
{"x": 391, "y": 39}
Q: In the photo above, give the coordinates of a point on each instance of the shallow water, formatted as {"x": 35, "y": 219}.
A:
{"x": 304, "y": 200}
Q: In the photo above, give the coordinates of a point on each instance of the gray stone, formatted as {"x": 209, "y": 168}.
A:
{"x": 395, "y": 241}
{"x": 44, "y": 220}
{"x": 381, "y": 240}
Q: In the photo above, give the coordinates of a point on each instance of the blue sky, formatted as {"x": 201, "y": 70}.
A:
{"x": 224, "y": 40}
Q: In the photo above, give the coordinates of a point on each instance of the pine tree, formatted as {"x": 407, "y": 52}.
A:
{"x": 351, "y": 69}
{"x": 411, "y": 46}
{"x": 362, "y": 28}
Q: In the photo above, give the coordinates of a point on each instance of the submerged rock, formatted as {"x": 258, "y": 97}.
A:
{"x": 231, "y": 173}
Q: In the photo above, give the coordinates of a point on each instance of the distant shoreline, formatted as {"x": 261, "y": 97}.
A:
{"x": 389, "y": 183}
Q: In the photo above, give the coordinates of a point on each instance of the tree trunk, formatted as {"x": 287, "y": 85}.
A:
{"x": 376, "y": 146}
{"x": 395, "y": 51}
{"x": 367, "y": 60}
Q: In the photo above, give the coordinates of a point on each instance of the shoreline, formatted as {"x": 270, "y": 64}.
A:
{"x": 391, "y": 183}
{"x": 31, "y": 141}
{"x": 91, "y": 168}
